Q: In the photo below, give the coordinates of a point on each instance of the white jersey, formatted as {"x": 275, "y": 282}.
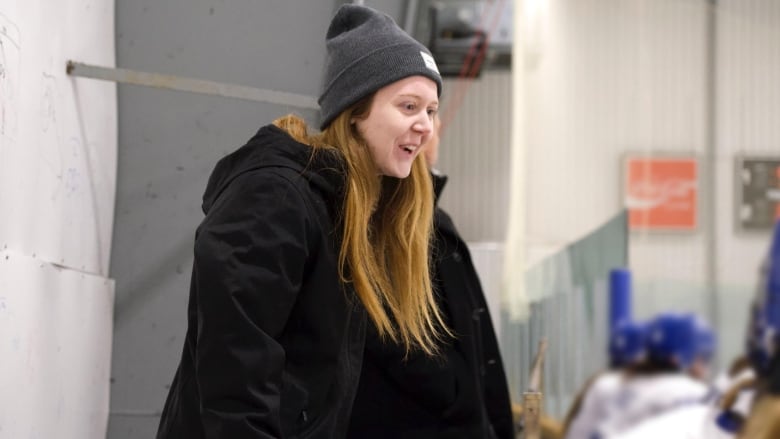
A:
{"x": 698, "y": 421}
{"x": 643, "y": 397}
{"x": 593, "y": 408}
{"x": 689, "y": 422}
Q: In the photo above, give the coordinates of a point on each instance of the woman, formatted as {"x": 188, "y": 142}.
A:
{"x": 305, "y": 236}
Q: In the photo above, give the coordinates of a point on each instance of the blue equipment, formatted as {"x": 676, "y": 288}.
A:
{"x": 626, "y": 344}
{"x": 763, "y": 338}
{"x": 706, "y": 341}
{"x": 619, "y": 297}
{"x": 671, "y": 338}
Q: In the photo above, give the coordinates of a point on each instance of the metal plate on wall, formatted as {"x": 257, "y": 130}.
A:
{"x": 758, "y": 192}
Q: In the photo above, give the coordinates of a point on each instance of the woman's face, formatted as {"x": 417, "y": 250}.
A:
{"x": 399, "y": 122}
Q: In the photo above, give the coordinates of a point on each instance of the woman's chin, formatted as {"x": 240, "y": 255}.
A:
{"x": 398, "y": 173}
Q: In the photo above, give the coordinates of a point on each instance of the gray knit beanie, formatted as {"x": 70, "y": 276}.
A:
{"x": 366, "y": 51}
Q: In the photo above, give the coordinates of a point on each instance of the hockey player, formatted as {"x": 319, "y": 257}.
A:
{"x": 662, "y": 382}
{"x": 626, "y": 350}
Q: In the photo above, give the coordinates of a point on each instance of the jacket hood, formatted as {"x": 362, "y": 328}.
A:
{"x": 272, "y": 147}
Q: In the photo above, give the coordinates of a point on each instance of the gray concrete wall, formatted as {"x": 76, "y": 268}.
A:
{"x": 168, "y": 143}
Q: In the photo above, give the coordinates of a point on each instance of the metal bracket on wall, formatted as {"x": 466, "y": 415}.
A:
{"x": 179, "y": 83}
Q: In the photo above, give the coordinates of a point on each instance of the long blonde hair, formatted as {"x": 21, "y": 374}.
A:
{"x": 386, "y": 224}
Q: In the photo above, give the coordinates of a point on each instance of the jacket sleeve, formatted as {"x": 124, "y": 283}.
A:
{"x": 250, "y": 259}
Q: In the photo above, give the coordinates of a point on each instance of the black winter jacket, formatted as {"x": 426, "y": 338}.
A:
{"x": 461, "y": 394}
{"x": 274, "y": 341}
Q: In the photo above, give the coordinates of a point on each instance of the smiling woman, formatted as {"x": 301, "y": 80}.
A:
{"x": 308, "y": 236}
{"x": 398, "y": 123}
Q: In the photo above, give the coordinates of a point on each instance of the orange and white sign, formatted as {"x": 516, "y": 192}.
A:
{"x": 661, "y": 193}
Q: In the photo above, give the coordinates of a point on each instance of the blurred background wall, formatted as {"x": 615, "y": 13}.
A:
{"x": 607, "y": 80}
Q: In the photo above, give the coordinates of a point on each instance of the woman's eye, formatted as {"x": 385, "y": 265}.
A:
{"x": 410, "y": 106}
{"x": 432, "y": 111}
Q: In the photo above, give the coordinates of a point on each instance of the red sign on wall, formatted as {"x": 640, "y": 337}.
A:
{"x": 661, "y": 193}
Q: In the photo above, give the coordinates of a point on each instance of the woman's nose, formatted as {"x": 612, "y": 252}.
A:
{"x": 424, "y": 125}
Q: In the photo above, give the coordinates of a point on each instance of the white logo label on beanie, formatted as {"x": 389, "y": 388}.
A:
{"x": 429, "y": 62}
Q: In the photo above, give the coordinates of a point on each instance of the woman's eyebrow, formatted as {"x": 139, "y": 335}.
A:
{"x": 418, "y": 97}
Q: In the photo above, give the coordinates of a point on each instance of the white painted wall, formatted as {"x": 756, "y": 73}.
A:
{"x": 57, "y": 183}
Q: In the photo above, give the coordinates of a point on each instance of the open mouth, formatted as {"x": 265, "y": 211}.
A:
{"x": 409, "y": 149}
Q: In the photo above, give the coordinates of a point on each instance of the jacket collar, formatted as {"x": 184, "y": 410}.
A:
{"x": 439, "y": 181}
